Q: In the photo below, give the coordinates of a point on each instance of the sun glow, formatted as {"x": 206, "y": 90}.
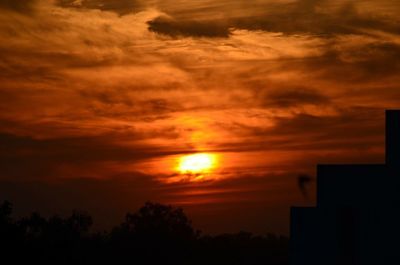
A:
{"x": 197, "y": 163}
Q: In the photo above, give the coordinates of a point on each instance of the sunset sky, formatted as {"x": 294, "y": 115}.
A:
{"x": 104, "y": 102}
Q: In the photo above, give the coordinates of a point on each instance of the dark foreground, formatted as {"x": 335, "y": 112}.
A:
{"x": 155, "y": 234}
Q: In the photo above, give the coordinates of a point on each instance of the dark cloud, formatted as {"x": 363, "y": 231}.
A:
{"x": 349, "y": 130}
{"x": 375, "y": 59}
{"x": 25, "y": 6}
{"x": 351, "y": 126}
{"x": 355, "y": 63}
{"x": 108, "y": 102}
{"x": 294, "y": 97}
{"x": 310, "y": 17}
{"x": 121, "y": 7}
{"x": 188, "y": 28}
{"x": 28, "y": 158}
{"x": 315, "y": 17}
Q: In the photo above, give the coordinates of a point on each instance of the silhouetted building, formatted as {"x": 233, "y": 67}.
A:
{"x": 356, "y": 220}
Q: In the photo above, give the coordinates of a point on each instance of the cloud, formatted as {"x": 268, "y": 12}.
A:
{"x": 352, "y": 60}
{"x": 322, "y": 18}
{"x": 121, "y": 7}
{"x": 318, "y": 138}
{"x": 294, "y": 97}
{"x": 336, "y": 127}
{"x": 28, "y": 158}
{"x": 188, "y": 28}
{"x": 316, "y": 18}
{"x": 25, "y": 7}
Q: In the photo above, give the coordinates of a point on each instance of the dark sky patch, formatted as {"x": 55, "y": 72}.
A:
{"x": 121, "y": 7}
{"x": 283, "y": 98}
{"x": 191, "y": 28}
{"x": 24, "y": 7}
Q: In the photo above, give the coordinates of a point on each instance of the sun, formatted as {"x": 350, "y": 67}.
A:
{"x": 197, "y": 163}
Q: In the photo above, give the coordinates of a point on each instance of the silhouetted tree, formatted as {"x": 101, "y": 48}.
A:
{"x": 158, "y": 232}
{"x": 155, "y": 234}
{"x": 80, "y": 222}
{"x": 5, "y": 212}
{"x": 157, "y": 220}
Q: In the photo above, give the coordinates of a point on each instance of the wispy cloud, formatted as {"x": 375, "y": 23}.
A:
{"x": 25, "y": 7}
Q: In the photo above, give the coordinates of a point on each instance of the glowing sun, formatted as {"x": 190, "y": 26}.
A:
{"x": 197, "y": 163}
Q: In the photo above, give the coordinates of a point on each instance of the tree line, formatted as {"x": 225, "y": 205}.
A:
{"x": 155, "y": 234}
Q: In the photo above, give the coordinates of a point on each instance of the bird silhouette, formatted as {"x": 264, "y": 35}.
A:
{"x": 303, "y": 181}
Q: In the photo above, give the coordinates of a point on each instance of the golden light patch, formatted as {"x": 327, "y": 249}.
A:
{"x": 197, "y": 163}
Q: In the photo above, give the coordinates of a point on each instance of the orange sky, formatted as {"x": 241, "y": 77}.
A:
{"x": 100, "y": 99}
